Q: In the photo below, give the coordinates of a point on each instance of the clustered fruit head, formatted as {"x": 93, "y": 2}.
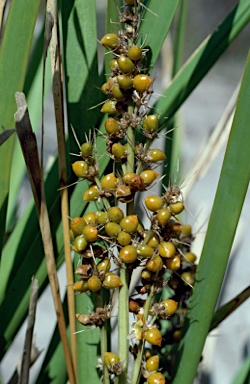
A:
{"x": 108, "y": 234}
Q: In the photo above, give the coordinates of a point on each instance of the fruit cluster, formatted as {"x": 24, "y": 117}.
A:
{"x": 114, "y": 237}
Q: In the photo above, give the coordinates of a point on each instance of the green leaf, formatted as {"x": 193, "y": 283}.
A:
{"x": 229, "y": 199}
{"x": 14, "y": 54}
{"x": 243, "y": 374}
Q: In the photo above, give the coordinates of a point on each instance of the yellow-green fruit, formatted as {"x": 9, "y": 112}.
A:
{"x": 103, "y": 265}
{"x": 112, "y": 281}
{"x": 153, "y": 203}
{"x": 117, "y": 92}
{"x": 94, "y": 284}
{"x": 170, "y": 306}
{"x": 145, "y": 251}
{"x": 124, "y": 238}
{"x": 90, "y": 217}
{"x": 109, "y": 181}
{"x": 142, "y": 82}
{"x": 188, "y": 278}
{"x": 118, "y": 151}
{"x": 109, "y": 107}
{"x": 125, "y": 64}
{"x": 146, "y": 274}
{"x": 129, "y": 223}
{"x": 156, "y": 155}
{"x": 81, "y": 286}
{"x": 148, "y": 176}
{"x": 191, "y": 257}
{"x": 128, "y": 176}
{"x": 177, "y": 207}
{"x": 77, "y": 224}
{"x": 80, "y": 243}
{"x": 155, "y": 264}
{"x": 86, "y": 149}
{"x": 128, "y": 254}
{"x": 104, "y": 88}
{"x": 135, "y": 53}
{"x": 90, "y": 233}
{"x": 125, "y": 81}
{"x": 111, "y": 359}
{"x": 112, "y": 229}
{"x": 153, "y": 241}
{"x": 156, "y": 378}
{"x": 166, "y": 249}
{"x": 80, "y": 168}
{"x": 111, "y": 126}
{"x": 163, "y": 215}
{"x": 101, "y": 217}
{"x": 113, "y": 64}
{"x": 153, "y": 336}
{"x": 152, "y": 364}
{"x": 186, "y": 230}
{"x": 150, "y": 123}
{"x": 110, "y": 40}
{"x": 115, "y": 214}
{"x": 91, "y": 194}
{"x": 174, "y": 263}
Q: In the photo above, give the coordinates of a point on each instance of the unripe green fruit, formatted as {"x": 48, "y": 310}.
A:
{"x": 110, "y": 40}
{"x": 90, "y": 217}
{"x": 129, "y": 223}
{"x": 166, "y": 249}
{"x": 91, "y": 194}
{"x": 109, "y": 181}
{"x": 148, "y": 176}
{"x": 77, "y": 224}
{"x": 142, "y": 83}
{"x": 118, "y": 151}
{"x": 163, "y": 215}
{"x": 80, "y": 168}
{"x": 90, "y": 233}
{"x": 191, "y": 257}
{"x": 177, "y": 207}
{"x": 112, "y": 281}
{"x": 80, "y": 243}
{"x": 117, "y": 92}
{"x": 153, "y": 336}
{"x": 128, "y": 254}
{"x": 125, "y": 64}
{"x": 150, "y": 123}
{"x": 124, "y": 238}
{"x": 135, "y": 53}
{"x": 86, "y": 149}
{"x": 94, "y": 284}
{"x": 156, "y": 155}
{"x": 153, "y": 203}
{"x": 155, "y": 264}
{"x": 174, "y": 263}
{"x": 152, "y": 364}
{"x": 125, "y": 81}
{"x": 145, "y": 251}
{"x": 156, "y": 378}
{"x": 101, "y": 217}
{"x": 111, "y": 126}
{"x": 115, "y": 214}
{"x": 109, "y": 107}
{"x": 81, "y": 286}
{"x": 170, "y": 306}
{"x": 111, "y": 359}
{"x": 112, "y": 229}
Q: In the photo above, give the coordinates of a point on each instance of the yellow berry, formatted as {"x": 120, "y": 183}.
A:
{"x": 115, "y": 214}
{"x": 111, "y": 358}
{"x": 118, "y": 151}
{"x": 80, "y": 168}
{"x": 112, "y": 281}
{"x": 128, "y": 254}
{"x": 113, "y": 64}
{"x": 153, "y": 241}
{"x": 146, "y": 274}
{"x": 111, "y": 126}
{"x": 153, "y": 336}
{"x": 101, "y": 217}
{"x": 188, "y": 278}
{"x": 150, "y": 123}
{"x": 109, "y": 181}
{"x": 191, "y": 257}
{"x": 77, "y": 224}
{"x": 112, "y": 229}
{"x": 129, "y": 223}
{"x": 173, "y": 263}
{"x": 90, "y": 217}
{"x": 91, "y": 194}
{"x": 135, "y": 53}
{"x": 155, "y": 264}
{"x": 125, "y": 81}
{"x": 109, "y": 107}
{"x": 145, "y": 251}
{"x": 142, "y": 82}
{"x": 86, "y": 149}
{"x": 81, "y": 286}
{"x": 94, "y": 284}
{"x": 170, "y": 306}
{"x": 153, "y": 203}
{"x": 186, "y": 230}
{"x": 163, "y": 215}
{"x": 125, "y": 64}
{"x": 103, "y": 265}
{"x": 156, "y": 155}
{"x": 152, "y": 364}
{"x": 117, "y": 92}
{"x": 90, "y": 233}
{"x": 80, "y": 243}
{"x": 124, "y": 238}
{"x": 166, "y": 249}
{"x": 177, "y": 207}
{"x": 110, "y": 40}
{"x": 156, "y": 378}
{"x": 148, "y": 176}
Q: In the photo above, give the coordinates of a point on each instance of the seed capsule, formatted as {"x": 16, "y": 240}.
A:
{"x": 152, "y": 364}
{"x": 142, "y": 83}
{"x": 81, "y": 286}
{"x": 170, "y": 306}
{"x": 129, "y": 223}
{"x": 94, "y": 284}
{"x": 109, "y": 107}
{"x": 112, "y": 229}
{"x": 90, "y": 233}
{"x": 166, "y": 249}
{"x": 80, "y": 168}
{"x": 115, "y": 214}
{"x": 125, "y": 64}
{"x": 153, "y": 241}
{"x": 156, "y": 155}
{"x": 86, "y": 149}
{"x": 153, "y": 336}
{"x": 156, "y": 378}
{"x": 80, "y": 243}
{"x": 109, "y": 181}
{"x": 111, "y": 358}
{"x": 118, "y": 151}
{"x": 91, "y": 194}
{"x": 103, "y": 265}
{"x": 163, "y": 215}
{"x": 110, "y": 40}
{"x": 128, "y": 254}
{"x": 153, "y": 203}
{"x": 174, "y": 263}
{"x": 111, "y": 126}
{"x": 177, "y": 207}
{"x": 77, "y": 224}
{"x": 148, "y": 176}
{"x": 135, "y": 53}
{"x": 145, "y": 251}
{"x": 191, "y": 257}
{"x": 150, "y": 123}
{"x": 155, "y": 264}
{"x": 117, "y": 92}
{"x": 124, "y": 238}
{"x": 112, "y": 281}
{"x": 146, "y": 274}
{"x": 125, "y": 81}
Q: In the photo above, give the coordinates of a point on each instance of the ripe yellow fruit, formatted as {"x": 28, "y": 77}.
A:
{"x": 135, "y": 53}
{"x": 125, "y": 64}
{"x": 110, "y": 40}
{"x": 124, "y": 238}
{"x": 111, "y": 358}
{"x": 109, "y": 107}
{"x": 128, "y": 254}
{"x": 150, "y": 123}
{"x": 115, "y": 214}
{"x": 148, "y": 176}
{"x": 170, "y": 306}
{"x": 155, "y": 264}
{"x": 80, "y": 168}
{"x": 163, "y": 215}
{"x": 129, "y": 223}
{"x": 142, "y": 83}
{"x": 109, "y": 181}
{"x": 177, "y": 207}
{"x": 152, "y": 364}
{"x": 125, "y": 81}
{"x": 76, "y": 225}
{"x": 145, "y": 251}
{"x": 153, "y": 203}
{"x": 90, "y": 233}
{"x": 166, "y": 249}
{"x": 156, "y": 378}
{"x": 112, "y": 281}
{"x": 191, "y": 257}
{"x": 156, "y": 155}
{"x": 111, "y": 126}
{"x": 94, "y": 284}
{"x": 174, "y": 263}
{"x": 153, "y": 336}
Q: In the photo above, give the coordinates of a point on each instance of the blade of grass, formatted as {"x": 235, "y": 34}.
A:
{"x": 230, "y": 195}
{"x": 243, "y": 374}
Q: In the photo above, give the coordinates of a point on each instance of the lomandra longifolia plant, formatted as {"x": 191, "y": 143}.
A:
{"x": 112, "y": 242}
